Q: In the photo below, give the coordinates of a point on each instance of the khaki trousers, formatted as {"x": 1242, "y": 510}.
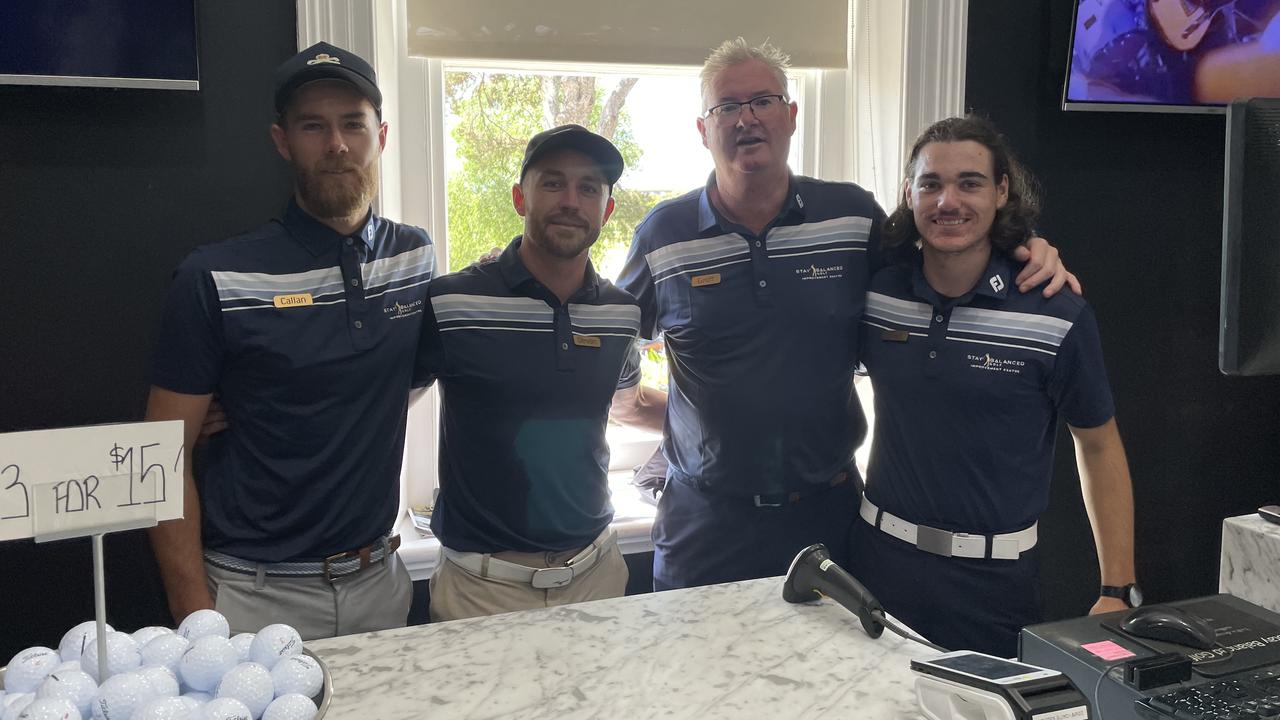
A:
{"x": 376, "y": 598}
{"x": 457, "y": 593}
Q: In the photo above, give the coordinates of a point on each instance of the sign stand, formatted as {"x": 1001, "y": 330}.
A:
{"x": 59, "y": 484}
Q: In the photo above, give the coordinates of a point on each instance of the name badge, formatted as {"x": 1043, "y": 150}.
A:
{"x": 586, "y": 341}
{"x": 298, "y": 300}
{"x": 701, "y": 280}
{"x": 895, "y": 335}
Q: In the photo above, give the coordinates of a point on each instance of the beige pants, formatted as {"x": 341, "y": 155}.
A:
{"x": 457, "y": 593}
{"x": 377, "y": 598}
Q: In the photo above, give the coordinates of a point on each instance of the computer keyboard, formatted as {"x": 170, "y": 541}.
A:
{"x": 1252, "y": 695}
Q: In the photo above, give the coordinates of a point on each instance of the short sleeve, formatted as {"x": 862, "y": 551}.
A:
{"x": 630, "y": 376}
{"x": 191, "y": 347}
{"x": 429, "y": 362}
{"x": 1078, "y": 385}
{"x": 636, "y": 279}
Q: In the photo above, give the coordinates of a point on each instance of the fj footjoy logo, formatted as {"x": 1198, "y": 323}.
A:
{"x": 399, "y": 310}
{"x": 324, "y": 58}
{"x": 997, "y": 283}
{"x": 989, "y": 362}
{"x": 813, "y": 272}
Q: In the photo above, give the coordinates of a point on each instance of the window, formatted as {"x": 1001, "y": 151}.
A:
{"x": 853, "y": 126}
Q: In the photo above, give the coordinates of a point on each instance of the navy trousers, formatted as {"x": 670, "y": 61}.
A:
{"x": 958, "y": 603}
{"x": 703, "y": 538}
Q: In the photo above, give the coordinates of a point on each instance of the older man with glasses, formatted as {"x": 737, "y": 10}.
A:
{"x": 757, "y": 282}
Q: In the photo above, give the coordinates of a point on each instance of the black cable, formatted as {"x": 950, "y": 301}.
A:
{"x": 903, "y": 632}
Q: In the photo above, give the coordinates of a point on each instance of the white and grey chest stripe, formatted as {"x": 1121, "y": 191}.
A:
{"x": 1026, "y": 331}
{"x": 1009, "y": 329}
{"x": 842, "y": 234}
{"x": 617, "y": 320}
{"x": 254, "y": 291}
{"x": 898, "y": 312}
{"x": 397, "y": 272}
{"x": 696, "y": 256}
{"x": 459, "y": 311}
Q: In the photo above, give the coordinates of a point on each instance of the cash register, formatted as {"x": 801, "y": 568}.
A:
{"x": 1235, "y": 676}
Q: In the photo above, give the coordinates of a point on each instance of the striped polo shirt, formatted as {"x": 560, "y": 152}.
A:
{"x": 968, "y": 392}
{"x": 527, "y": 382}
{"x": 307, "y": 337}
{"x": 761, "y": 334}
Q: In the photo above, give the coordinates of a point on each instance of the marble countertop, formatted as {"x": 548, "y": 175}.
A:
{"x": 726, "y": 651}
{"x": 1250, "y": 563}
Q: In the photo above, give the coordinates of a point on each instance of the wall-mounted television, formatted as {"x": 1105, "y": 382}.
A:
{"x": 1172, "y": 55}
{"x": 102, "y": 43}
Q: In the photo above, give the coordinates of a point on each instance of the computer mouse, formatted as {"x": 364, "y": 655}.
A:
{"x": 1170, "y": 624}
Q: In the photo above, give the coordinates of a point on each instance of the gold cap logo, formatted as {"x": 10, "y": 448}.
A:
{"x": 324, "y": 58}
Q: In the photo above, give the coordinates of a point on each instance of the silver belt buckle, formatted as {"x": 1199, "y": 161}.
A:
{"x": 933, "y": 540}
{"x": 552, "y": 577}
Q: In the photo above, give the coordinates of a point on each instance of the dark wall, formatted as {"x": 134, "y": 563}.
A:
{"x": 1134, "y": 202}
{"x": 102, "y": 192}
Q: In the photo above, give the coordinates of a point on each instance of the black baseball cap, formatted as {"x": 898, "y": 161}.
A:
{"x": 321, "y": 61}
{"x": 575, "y": 137}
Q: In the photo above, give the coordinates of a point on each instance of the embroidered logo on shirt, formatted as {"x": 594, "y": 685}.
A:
{"x": 398, "y": 310}
{"x": 701, "y": 280}
{"x": 586, "y": 341}
{"x": 814, "y": 272}
{"x": 997, "y": 283}
{"x": 295, "y": 300}
{"x": 994, "y": 364}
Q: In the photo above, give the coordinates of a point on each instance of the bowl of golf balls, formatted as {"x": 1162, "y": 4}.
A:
{"x": 198, "y": 672}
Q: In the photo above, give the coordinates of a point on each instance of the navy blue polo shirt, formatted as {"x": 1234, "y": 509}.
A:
{"x": 307, "y": 337}
{"x": 968, "y": 392}
{"x": 527, "y": 382}
{"x": 761, "y": 334}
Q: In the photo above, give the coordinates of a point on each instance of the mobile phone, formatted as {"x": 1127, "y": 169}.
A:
{"x": 974, "y": 668}
{"x": 1270, "y": 513}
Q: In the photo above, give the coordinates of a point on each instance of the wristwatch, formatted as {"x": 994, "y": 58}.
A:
{"x": 1131, "y": 594}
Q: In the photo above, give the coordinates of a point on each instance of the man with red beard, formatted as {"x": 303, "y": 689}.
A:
{"x": 305, "y": 329}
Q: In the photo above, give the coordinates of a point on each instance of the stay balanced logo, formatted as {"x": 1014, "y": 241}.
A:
{"x": 813, "y": 272}
{"x": 398, "y": 310}
{"x": 988, "y": 362}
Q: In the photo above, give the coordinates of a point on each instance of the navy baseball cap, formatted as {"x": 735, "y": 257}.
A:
{"x": 321, "y": 61}
{"x": 575, "y": 137}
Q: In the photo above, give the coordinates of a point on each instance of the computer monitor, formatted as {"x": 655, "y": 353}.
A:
{"x": 1249, "y": 322}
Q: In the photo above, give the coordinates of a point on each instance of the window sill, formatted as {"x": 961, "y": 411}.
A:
{"x": 632, "y": 519}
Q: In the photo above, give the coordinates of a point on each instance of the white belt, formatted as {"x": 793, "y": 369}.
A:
{"x": 950, "y": 544}
{"x": 486, "y": 565}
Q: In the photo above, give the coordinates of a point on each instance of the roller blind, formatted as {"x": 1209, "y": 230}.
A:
{"x": 647, "y": 32}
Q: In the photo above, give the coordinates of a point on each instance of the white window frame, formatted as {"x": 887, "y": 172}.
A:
{"x": 908, "y": 58}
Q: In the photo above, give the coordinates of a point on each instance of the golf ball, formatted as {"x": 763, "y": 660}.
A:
{"x": 291, "y": 706}
{"x": 274, "y": 642}
{"x": 28, "y": 668}
{"x": 250, "y": 683}
{"x": 77, "y": 639}
{"x": 204, "y": 623}
{"x": 206, "y": 662}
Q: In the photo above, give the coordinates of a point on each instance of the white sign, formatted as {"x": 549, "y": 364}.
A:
{"x": 80, "y": 481}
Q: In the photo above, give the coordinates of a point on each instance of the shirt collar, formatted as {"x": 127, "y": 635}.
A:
{"x": 515, "y": 274}
{"x": 317, "y": 237}
{"x": 994, "y": 282}
{"x": 709, "y": 219}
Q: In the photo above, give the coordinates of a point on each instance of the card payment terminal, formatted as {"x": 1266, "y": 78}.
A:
{"x": 967, "y": 685}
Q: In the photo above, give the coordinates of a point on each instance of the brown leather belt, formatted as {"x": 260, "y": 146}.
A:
{"x": 781, "y": 499}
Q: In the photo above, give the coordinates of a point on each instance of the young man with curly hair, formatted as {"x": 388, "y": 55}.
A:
{"x": 971, "y": 376}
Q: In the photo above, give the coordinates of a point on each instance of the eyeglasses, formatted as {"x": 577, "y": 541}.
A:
{"x": 761, "y": 106}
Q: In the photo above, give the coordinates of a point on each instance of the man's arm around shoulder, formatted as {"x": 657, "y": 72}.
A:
{"x": 176, "y": 543}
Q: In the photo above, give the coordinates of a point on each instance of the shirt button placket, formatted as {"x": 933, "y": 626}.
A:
{"x": 937, "y": 336}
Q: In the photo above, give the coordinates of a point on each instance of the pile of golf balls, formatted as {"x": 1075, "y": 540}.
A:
{"x": 199, "y": 672}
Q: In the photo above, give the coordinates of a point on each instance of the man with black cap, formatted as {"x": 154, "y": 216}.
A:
{"x": 527, "y": 350}
{"x": 305, "y": 329}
